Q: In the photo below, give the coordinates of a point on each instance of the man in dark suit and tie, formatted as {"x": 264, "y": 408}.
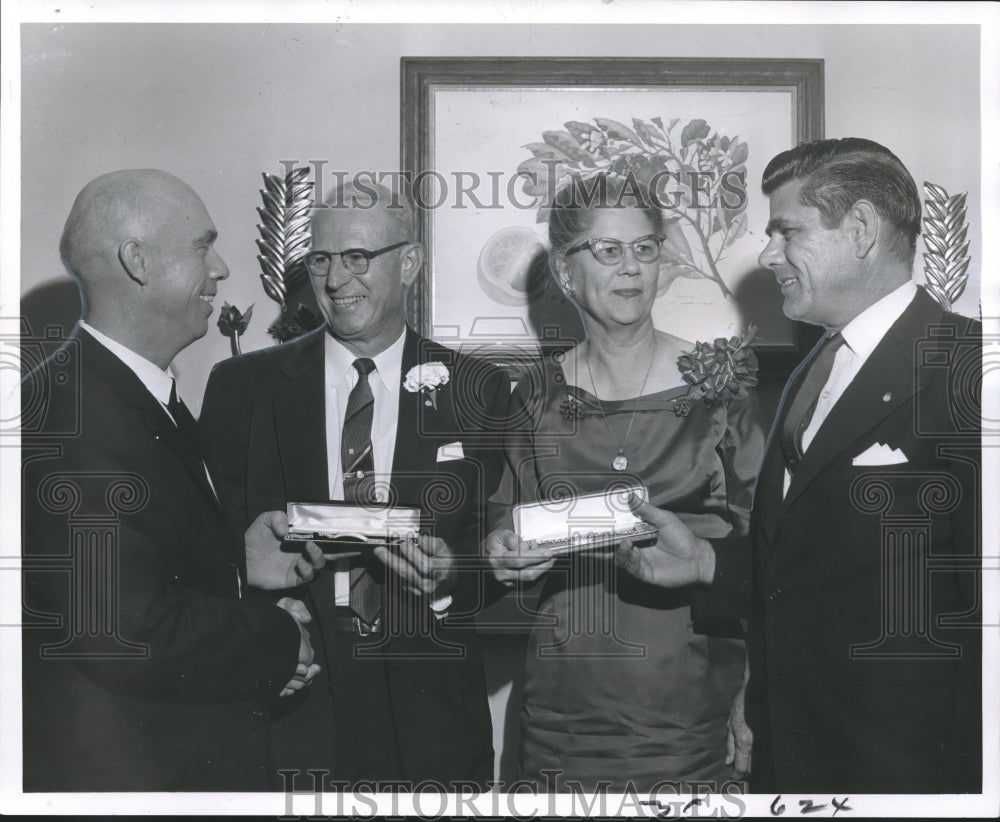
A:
{"x": 147, "y": 659}
{"x": 364, "y": 410}
{"x": 862, "y": 579}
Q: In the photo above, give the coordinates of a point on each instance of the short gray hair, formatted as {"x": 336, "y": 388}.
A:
{"x": 399, "y": 212}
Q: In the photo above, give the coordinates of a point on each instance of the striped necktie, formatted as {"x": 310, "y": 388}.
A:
{"x": 358, "y": 471}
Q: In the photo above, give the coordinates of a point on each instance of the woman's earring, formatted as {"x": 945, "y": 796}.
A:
{"x": 567, "y": 285}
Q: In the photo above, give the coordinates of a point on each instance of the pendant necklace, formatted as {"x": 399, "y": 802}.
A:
{"x": 620, "y": 462}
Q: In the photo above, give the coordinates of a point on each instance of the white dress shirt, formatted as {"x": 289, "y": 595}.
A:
{"x": 340, "y": 377}
{"x": 861, "y": 336}
{"x": 157, "y": 381}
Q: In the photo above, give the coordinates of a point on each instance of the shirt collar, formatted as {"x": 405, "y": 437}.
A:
{"x": 866, "y": 330}
{"x": 388, "y": 363}
{"x": 157, "y": 381}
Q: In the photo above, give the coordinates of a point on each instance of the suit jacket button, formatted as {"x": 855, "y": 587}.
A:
{"x": 256, "y": 713}
{"x": 775, "y": 594}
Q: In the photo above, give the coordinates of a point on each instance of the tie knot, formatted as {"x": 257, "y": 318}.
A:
{"x": 834, "y": 341}
{"x": 364, "y": 366}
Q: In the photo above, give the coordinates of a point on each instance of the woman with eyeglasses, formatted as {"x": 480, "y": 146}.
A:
{"x": 620, "y": 683}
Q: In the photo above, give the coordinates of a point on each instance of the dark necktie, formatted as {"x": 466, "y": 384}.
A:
{"x": 803, "y": 404}
{"x": 358, "y": 469}
{"x": 184, "y": 421}
{"x": 188, "y": 429}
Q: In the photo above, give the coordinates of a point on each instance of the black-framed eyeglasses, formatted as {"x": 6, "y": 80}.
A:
{"x": 610, "y": 251}
{"x": 355, "y": 260}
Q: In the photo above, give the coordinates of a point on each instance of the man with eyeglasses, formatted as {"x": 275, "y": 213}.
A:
{"x": 366, "y": 411}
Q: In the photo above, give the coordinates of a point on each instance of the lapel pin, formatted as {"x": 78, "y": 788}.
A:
{"x": 886, "y": 397}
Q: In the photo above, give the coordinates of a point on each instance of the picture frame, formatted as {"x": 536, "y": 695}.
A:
{"x": 473, "y": 128}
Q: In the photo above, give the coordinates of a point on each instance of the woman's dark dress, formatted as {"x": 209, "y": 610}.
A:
{"x": 618, "y": 685}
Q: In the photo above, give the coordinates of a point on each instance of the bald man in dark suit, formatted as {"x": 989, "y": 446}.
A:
{"x": 147, "y": 656}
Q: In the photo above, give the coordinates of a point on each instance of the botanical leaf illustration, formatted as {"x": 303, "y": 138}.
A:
{"x": 698, "y": 176}
{"x": 694, "y": 130}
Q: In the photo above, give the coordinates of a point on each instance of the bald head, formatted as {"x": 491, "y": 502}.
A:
{"x": 112, "y": 208}
{"x": 140, "y": 244}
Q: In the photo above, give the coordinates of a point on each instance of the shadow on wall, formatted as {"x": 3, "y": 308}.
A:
{"x": 759, "y": 300}
{"x": 551, "y": 316}
{"x": 51, "y": 310}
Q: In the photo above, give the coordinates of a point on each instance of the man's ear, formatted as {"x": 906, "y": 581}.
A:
{"x": 133, "y": 260}
{"x": 865, "y": 227}
{"x": 413, "y": 260}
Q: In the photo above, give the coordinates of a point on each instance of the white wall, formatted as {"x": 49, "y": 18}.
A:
{"x": 219, "y": 104}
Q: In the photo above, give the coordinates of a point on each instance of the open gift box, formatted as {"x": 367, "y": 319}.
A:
{"x": 341, "y": 528}
{"x": 583, "y": 523}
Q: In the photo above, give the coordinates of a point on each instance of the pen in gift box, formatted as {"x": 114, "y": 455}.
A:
{"x": 344, "y": 529}
{"x": 588, "y": 522}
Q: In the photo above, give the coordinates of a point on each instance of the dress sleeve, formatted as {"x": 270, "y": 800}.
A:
{"x": 741, "y": 450}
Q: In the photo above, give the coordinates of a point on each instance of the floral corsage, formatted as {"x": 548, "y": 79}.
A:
{"x": 724, "y": 369}
{"x": 570, "y": 408}
{"x": 427, "y": 378}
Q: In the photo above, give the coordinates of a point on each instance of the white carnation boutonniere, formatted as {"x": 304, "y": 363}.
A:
{"x": 427, "y": 378}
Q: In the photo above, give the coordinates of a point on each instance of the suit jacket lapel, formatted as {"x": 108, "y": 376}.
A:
{"x": 412, "y": 452}
{"x": 133, "y": 393}
{"x": 300, "y": 421}
{"x": 164, "y": 429}
{"x": 770, "y": 482}
{"x": 885, "y": 382}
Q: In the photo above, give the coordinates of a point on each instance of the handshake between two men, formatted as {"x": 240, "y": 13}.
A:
{"x": 271, "y": 568}
{"x": 424, "y": 565}
{"x": 153, "y": 667}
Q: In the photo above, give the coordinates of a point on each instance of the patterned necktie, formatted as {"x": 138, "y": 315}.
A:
{"x": 804, "y": 402}
{"x": 358, "y": 469}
